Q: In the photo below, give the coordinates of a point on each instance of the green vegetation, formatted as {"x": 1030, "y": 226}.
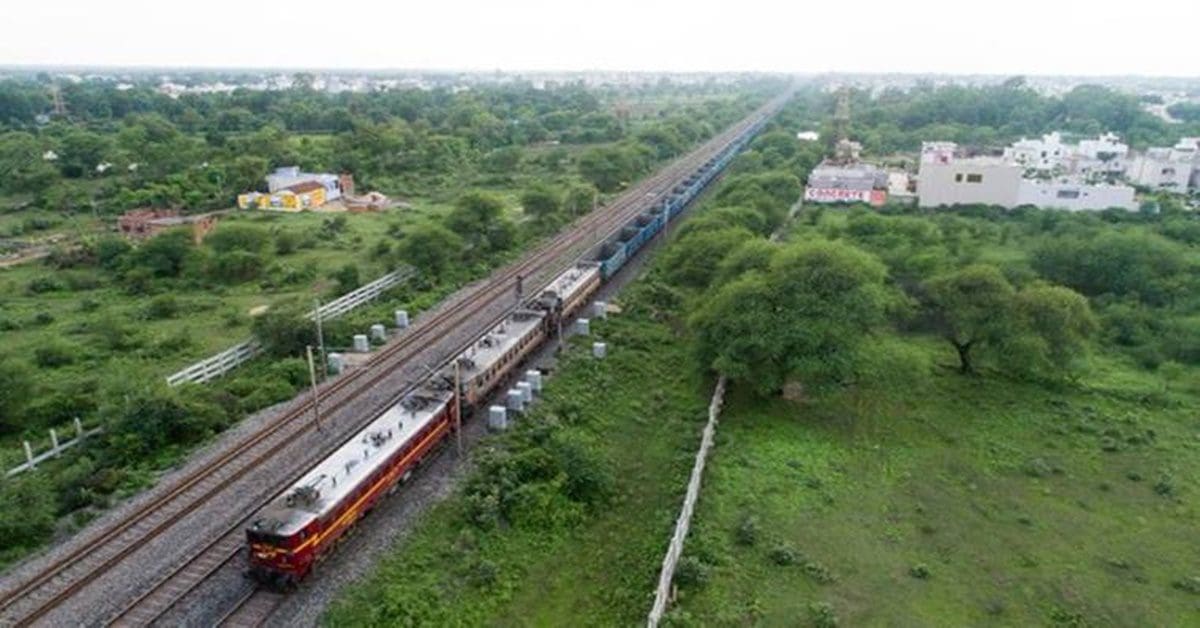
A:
{"x": 962, "y": 417}
{"x": 94, "y": 330}
{"x": 565, "y": 515}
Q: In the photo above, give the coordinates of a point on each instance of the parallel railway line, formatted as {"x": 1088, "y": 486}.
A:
{"x": 62, "y": 578}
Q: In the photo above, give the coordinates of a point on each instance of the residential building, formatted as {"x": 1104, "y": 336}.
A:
{"x": 1173, "y": 169}
{"x": 945, "y": 178}
{"x": 288, "y": 177}
{"x": 1104, "y": 157}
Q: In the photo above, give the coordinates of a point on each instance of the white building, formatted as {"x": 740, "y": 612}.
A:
{"x": 1103, "y": 157}
{"x": 1172, "y": 169}
{"x": 284, "y": 178}
{"x": 946, "y": 179}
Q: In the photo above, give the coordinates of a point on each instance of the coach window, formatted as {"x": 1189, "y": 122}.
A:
{"x": 958, "y": 178}
{"x": 974, "y": 178}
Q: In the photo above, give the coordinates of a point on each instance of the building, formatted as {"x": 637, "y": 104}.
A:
{"x": 1172, "y": 169}
{"x": 846, "y": 183}
{"x": 945, "y": 178}
{"x": 1104, "y": 157}
{"x": 139, "y": 224}
{"x": 289, "y": 189}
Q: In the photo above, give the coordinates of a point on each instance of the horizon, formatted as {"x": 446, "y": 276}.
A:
{"x": 923, "y": 37}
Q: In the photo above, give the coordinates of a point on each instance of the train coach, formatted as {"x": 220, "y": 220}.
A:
{"x": 299, "y": 527}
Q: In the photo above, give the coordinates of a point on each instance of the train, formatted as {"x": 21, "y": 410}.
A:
{"x": 289, "y": 536}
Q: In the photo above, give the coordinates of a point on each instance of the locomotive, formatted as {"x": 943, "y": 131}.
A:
{"x": 300, "y": 526}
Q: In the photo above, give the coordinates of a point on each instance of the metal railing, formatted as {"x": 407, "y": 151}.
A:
{"x": 213, "y": 367}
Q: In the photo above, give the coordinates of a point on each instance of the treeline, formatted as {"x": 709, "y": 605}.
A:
{"x": 895, "y": 120}
{"x": 122, "y": 148}
{"x": 1027, "y": 294}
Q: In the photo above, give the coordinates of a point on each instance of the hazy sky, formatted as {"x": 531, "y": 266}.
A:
{"x": 1158, "y": 37}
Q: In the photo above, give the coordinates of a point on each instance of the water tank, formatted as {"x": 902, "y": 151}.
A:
{"x": 361, "y": 345}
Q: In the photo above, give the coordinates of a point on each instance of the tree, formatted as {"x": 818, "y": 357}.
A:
{"x": 608, "y": 168}
{"x": 238, "y": 238}
{"x": 164, "y": 255}
{"x": 805, "y": 316}
{"x": 580, "y": 199}
{"x": 347, "y": 277}
{"x": 693, "y": 259}
{"x": 1058, "y": 323}
{"x": 284, "y": 331}
{"x": 541, "y": 202}
{"x": 478, "y": 217}
{"x": 430, "y": 248}
{"x": 970, "y": 308}
{"x": 1148, "y": 266}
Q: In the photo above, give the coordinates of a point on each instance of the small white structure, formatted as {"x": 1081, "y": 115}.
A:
{"x": 515, "y": 400}
{"x": 337, "y": 362}
{"x": 534, "y": 377}
{"x": 583, "y": 326}
{"x": 402, "y": 319}
{"x": 599, "y": 310}
{"x": 378, "y": 332}
{"x": 361, "y": 345}
{"x": 526, "y": 391}
{"x": 808, "y": 136}
{"x": 497, "y": 418}
{"x": 599, "y": 349}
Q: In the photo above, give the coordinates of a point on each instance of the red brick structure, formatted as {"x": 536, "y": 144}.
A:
{"x": 139, "y": 224}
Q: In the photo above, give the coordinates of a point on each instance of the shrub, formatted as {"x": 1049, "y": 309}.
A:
{"x": 162, "y": 306}
{"x": 691, "y": 573}
{"x": 42, "y": 285}
{"x": 43, "y": 318}
{"x": 784, "y": 555}
{"x": 920, "y": 571}
{"x": 822, "y": 615}
{"x": 53, "y": 355}
{"x": 1189, "y": 585}
{"x": 286, "y": 243}
{"x": 747, "y": 531}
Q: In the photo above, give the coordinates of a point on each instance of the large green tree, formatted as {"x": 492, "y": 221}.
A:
{"x": 971, "y": 308}
{"x": 805, "y": 317}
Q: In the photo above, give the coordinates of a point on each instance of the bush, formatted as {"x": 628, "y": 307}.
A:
{"x": 53, "y": 355}
{"x": 691, "y": 573}
{"x": 784, "y": 555}
{"x": 747, "y": 531}
{"x": 42, "y": 285}
{"x": 919, "y": 571}
{"x": 822, "y": 615}
{"x": 162, "y": 306}
{"x": 286, "y": 243}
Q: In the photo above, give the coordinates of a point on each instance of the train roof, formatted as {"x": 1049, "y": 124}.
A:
{"x": 486, "y": 351}
{"x": 325, "y": 485}
{"x": 573, "y": 279}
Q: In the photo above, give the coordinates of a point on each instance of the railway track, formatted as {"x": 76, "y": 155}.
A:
{"x": 252, "y": 610}
{"x": 58, "y": 581}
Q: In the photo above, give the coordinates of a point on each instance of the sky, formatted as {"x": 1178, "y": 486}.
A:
{"x": 1033, "y": 37}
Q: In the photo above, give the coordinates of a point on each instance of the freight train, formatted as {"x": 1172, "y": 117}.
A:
{"x": 299, "y": 527}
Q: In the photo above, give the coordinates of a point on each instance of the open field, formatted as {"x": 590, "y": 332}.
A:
{"x": 942, "y": 500}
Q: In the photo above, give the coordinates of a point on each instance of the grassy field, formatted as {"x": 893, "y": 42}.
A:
{"x": 600, "y": 567}
{"x": 934, "y": 499}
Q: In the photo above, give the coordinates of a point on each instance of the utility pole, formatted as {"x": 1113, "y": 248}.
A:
{"x": 458, "y": 406}
{"x": 321, "y": 339}
{"x": 316, "y": 398}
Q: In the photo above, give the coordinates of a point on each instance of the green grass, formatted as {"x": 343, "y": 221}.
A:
{"x": 1004, "y": 492}
{"x": 640, "y": 415}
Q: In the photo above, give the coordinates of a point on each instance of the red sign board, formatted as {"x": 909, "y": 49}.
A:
{"x": 842, "y": 195}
